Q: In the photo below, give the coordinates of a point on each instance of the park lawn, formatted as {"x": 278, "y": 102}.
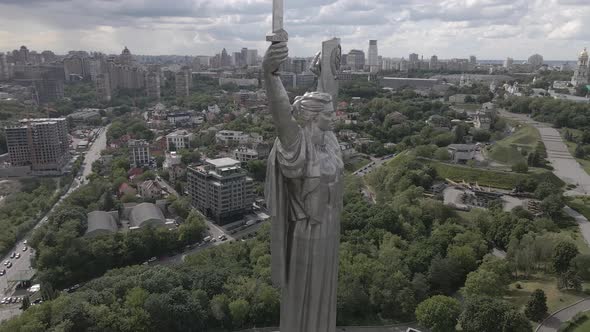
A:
{"x": 507, "y": 151}
{"x": 581, "y": 205}
{"x": 585, "y": 326}
{"x": 556, "y": 299}
{"x": 490, "y": 178}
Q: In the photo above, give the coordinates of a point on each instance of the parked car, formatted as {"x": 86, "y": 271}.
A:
{"x": 9, "y": 265}
{"x": 17, "y": 256}
{"x": 25, "y": 248}
{"x": 12, "y": 255}
{"x": 3, "y": 300}
{"x": 207, "y": 239}
{"x": 153, "y": 259}
{"x": 6, "y": 263}
{"x": 2, "y": 272}
{"x": 25, "y": 242}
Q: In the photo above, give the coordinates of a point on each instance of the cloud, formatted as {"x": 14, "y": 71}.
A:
{"x": 448, "y": 28}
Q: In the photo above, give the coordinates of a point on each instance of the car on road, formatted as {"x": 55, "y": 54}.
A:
{"x": 153, "y": 259}
{"x": 207, "y": 239}
{"x": 6, "y": 262}
{"x": 4, "y": 300}
{"x": 9, "y": 265}
{"x": 12, "y": 255}
{"x": 17, "y": 256}
{"x": 25, "y": 242}
{"x": 2, "y": 272}
{"x": 25, "y": 248}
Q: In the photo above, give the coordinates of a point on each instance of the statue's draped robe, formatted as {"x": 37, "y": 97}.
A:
{"x": 304, "y": 185}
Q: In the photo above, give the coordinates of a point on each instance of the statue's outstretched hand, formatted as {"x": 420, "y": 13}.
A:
{"x": 276, "y": 54}
{"x": 316, "y": 64}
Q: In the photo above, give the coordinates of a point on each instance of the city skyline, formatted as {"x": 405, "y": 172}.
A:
{"x": 451, "y": 29}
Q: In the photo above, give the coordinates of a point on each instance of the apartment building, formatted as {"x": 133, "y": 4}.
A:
{"x": 42, "y": 144}
{"x": 221, "y": 190}
{"x": 139, "y": 151}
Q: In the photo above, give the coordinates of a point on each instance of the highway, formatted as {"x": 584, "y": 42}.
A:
{"x": 24, "y": 262}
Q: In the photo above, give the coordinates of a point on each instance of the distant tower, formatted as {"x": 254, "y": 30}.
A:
{"x": 582, "y": 70}
{"x": 225, "y": 59}
{"x": 433, "y": 65}
{"x": 508, "y": 62}
{"x": 473, "y": 60}
{"x": 126, "y": 58}
{"x": 373, "y": 56}
{"x": 103, "y": 87}
{"x": 182, "y": 84}
{"x": 153, "y": 85}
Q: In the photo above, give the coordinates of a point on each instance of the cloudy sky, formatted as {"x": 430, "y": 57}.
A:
{"x": 490, "y": 29}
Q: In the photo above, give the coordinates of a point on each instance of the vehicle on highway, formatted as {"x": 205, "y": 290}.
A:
{"x": 9, "y": 265}
{"x": 17, "y": 256}
{"x": 25, "y": 248}
{"x": 12, "y": 255}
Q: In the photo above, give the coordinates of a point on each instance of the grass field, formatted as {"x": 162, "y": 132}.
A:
{"x": 508, "y": 150}
{"x": 491, "y": 178}
{"x": 573, "y": 233}
{"x": 582, "y": 205}
{"x": 556, "y": 299}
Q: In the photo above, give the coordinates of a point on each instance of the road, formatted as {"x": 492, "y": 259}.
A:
{"x": 24, "y": 263}
{"x": 553, "y": 322}
{"x": 565, "y": 165}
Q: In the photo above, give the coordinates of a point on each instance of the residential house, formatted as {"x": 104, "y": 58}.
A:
{"x": 150, "y": 189}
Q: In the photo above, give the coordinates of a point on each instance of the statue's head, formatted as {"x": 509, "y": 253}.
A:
{"x": 316, "y": 109}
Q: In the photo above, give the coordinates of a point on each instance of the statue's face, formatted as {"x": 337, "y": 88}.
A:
{"x": 324, "y": 121}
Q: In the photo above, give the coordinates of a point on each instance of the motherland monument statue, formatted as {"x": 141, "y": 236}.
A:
{"x": 304, "y": 188}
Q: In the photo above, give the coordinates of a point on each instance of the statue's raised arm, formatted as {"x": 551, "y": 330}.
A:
{"x": 278, "y": 99}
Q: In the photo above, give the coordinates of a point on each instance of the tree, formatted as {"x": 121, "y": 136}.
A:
{"x": 563, "y": 254}
{"x": 192, "y": 229}
{"x": 536, "y": 307}
{"x": 238, "y": 310}
{"x": 257, "y": 169}
{"x": 439, "y": 313}
{"x": 581, "y": 264}
{"x": 484, "y": 314}
{"x": 552, "y": 205}
{"x": 26, "y": 303}
{"x": 442, "y": 154}
{"x": 569, "y": 280}
{"x": 482, "y": 282}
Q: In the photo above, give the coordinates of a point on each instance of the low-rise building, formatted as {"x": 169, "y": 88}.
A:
{"x": 180, "y": 139}
{"x": 139, "y": 151}
{"x": 245, "y": 154}
{"x": 237, "y": 137}
{"x": 482, "y": 121}
{"x": 461, "y": 153}
{"x": 172, "y": 159}
{"x": 150, "y": 190}
{"x": 144, "y": 215}
{"x": 101, "y": 223}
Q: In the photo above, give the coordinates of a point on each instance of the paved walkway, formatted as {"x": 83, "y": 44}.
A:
{"x": 553, "y": 322}
{"x": 583, "y": 223}
{"x": 565, "y": 165}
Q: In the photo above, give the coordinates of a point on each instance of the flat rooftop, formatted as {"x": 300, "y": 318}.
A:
{"x": 223, "y": 162}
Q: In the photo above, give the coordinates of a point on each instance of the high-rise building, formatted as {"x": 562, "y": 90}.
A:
{"x": 373, "y": 56}
{"x": 299, "y": 65}
{"x": 508, "y": 62}
{"x": 3, "y": 67}
{"x": 252, "y": 58}
{"x": 48, "y": 90}
{"x": 74, "y": 68}
{"x": 42, "y": 144}
{"x": 472, "y": 60}
{"x": 414, "y": 58}
{"x": 153, "y": 85}
{"x": 126, "y": 58}
{"x": 582, "y": 70}
{"x": 103, "y": 87}
{"x": 536, "y": 60}
{"x": 433, "y": 64}
{"x": 221, "y": 189}
{"x": 139, "y": 151}
{"x": 356, "y": 59}
{"x": 225, "y": 59}
{"x": 182, "y": 84}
